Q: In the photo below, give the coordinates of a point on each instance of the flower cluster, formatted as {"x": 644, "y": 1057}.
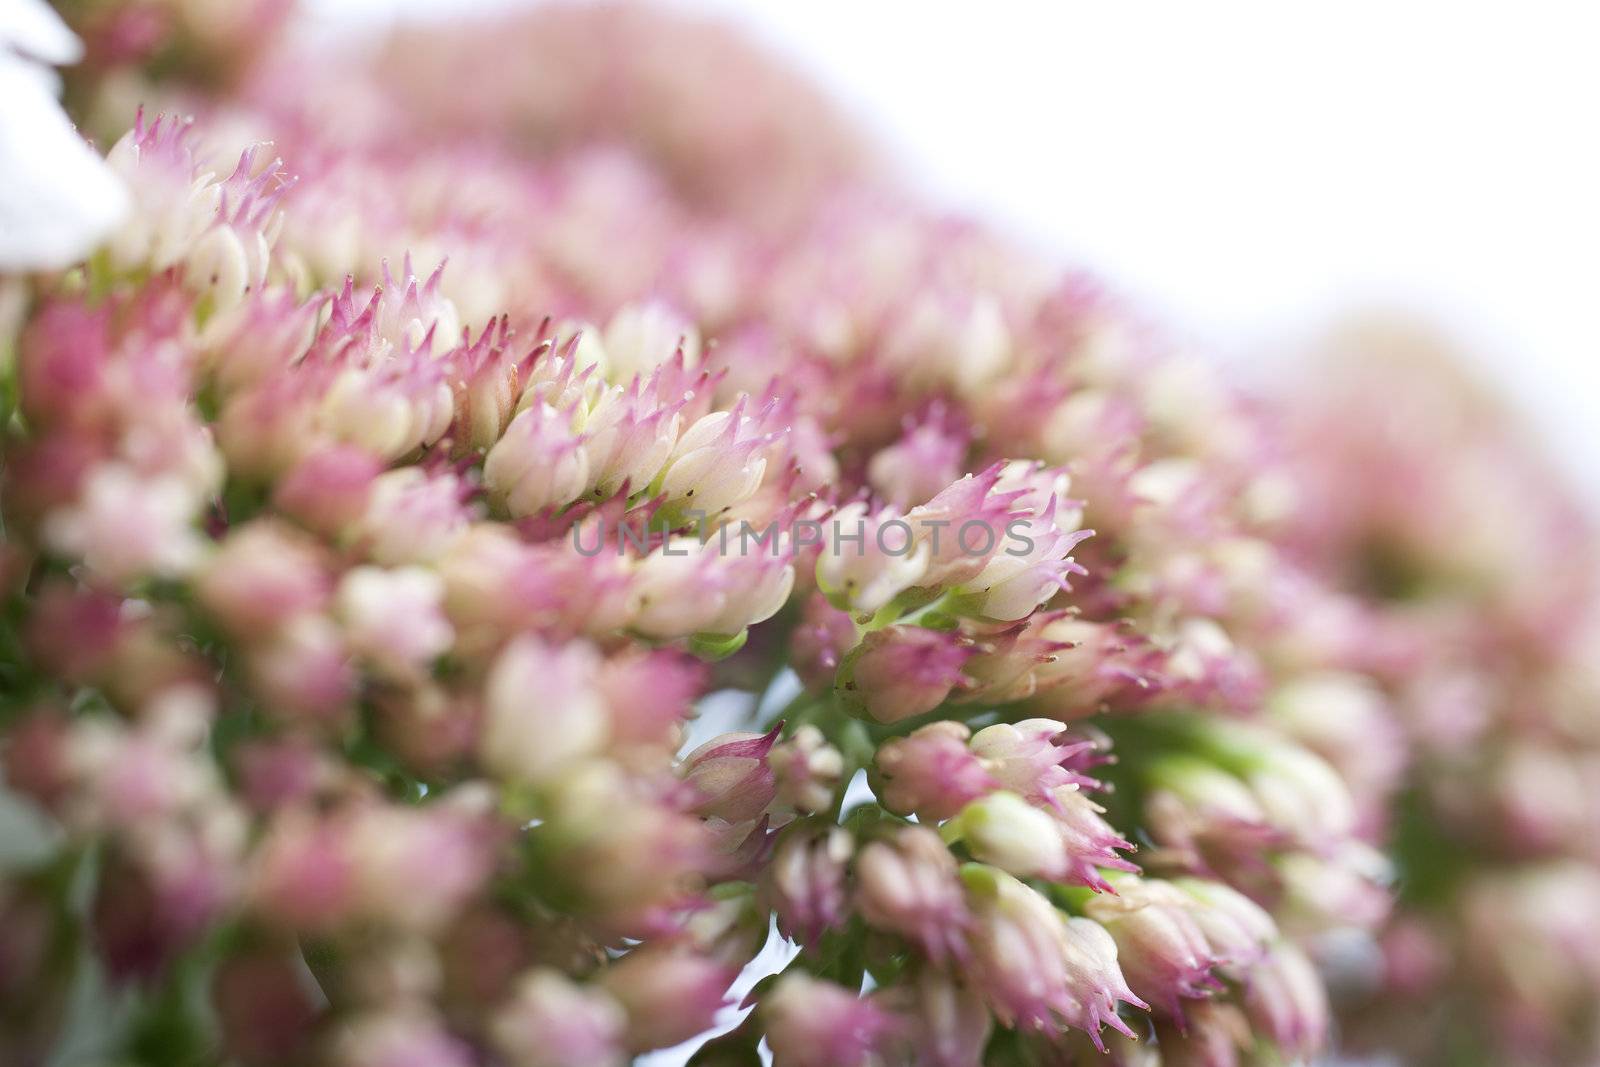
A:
{"x": 378, "y": 542}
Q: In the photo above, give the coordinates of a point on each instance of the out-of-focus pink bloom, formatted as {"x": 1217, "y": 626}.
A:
{"x": 629, "y": 852}
{"x": 820, "y": 641}
{"x": 805, "y": 882}
{"x": 75, "y": 632}
{"x": 650, "y": 695}
{"x": 392, "y": 618}
{"x": 925, "y": 460}
{"x": 1285, "y": 1001}
{"x": 327, "y": 490}
{"x": 814, "y": 1023}
{"x": 265, "y": 1011}
{"x": 398, "y": 1037}
{"x": 641, "y": 337}
{"x": 412, "y": 516}
{"x": 1529, "y": 934}
{"x": 668, "y": 995}
{"x": 910, "y": 885}
{"x": 261, "y": 577}
{"x": 1211, "y": 1034}
{"x": 551, "y": 1021}
{"x": 944, "y": 1023}
{"x": 125, "y": 527}
{"x": 543, "y": 710}
{"x": 275, "y": 774}
{"x": 1343, "y": 719}
{"x": 415, "y": 867}
{"x": 305, "y": 672}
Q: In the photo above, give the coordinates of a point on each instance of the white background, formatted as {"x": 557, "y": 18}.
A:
{"x": 1252, "y": 170}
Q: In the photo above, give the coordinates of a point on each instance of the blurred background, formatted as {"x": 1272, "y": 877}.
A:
{"x": 1253, "y": 174}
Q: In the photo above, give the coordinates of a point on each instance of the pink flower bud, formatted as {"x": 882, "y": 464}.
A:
{"x": 1067, "y": 841}
{"x": 1038, "y": 969}
{"x": 399, "y": 1036}
{"x": 686, "y": 587}
{"x": 327, "y": 490}
{"x": 1029, "y": 570}
{"x": 412, "y": 517}
{"x": 821, "y": 640}
{"x": 305, "y": 671}
{"x": 261, "y": 577}
{"x": 392, "y": 618}
{"x": 124, "y": 526}
{"x": 1025, "y": 758}
{"x": 901, "y": 672}
{"x": 925, "y": 460}
{"x": 808, "y": 770}
{"x": 945, "y": 1023}
{"x": 390, "y": 407}
{"x": 931, "y": 773}
{"x": 265, "y": 1011}
{"x": 1091, "y": 665}
{"x": 910, "y": 886}
{"x": 543, "y": 710}
{"x": 265, "y": 335}
{"x": 805, "y": 882}
{"x": 1286, "y": 1002}
{"x": 411, "y": 311}
{"x": 1161, "y": 947}
{"x": 868, "y": 558}
{"x": 629, "y": 439}
{"x": 731, "y": 776}
{"x": 540, "y": 462}
{"x": 717, "y": 462}
{"x": 813, "y": 1023}
{"x": 963, "y": 527}
{"x": 669, "y": 995}
{"x": 1237, "y": 928}
{"x": 552, "y": 1022}
{"x": 641, "y": 337}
